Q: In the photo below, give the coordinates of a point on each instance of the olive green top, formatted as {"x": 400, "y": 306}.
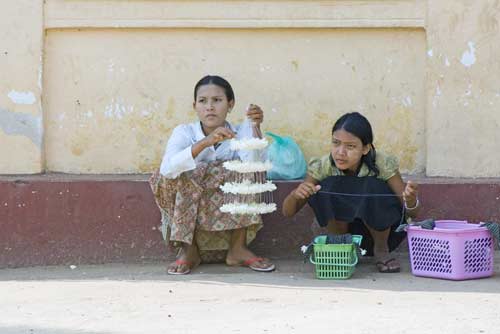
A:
{"x": 321, "y": 168}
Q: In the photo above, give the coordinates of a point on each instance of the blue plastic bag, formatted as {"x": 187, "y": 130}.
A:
{"x": 287, "y": 159}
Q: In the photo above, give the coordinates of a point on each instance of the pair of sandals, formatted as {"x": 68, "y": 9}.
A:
{"x": 250, "y": 263}
{"x": 385, "y": 265}
{"x": 388, "y": 265}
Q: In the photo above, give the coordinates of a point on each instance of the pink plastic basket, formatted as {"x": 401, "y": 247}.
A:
{"x": 453, "y": 250}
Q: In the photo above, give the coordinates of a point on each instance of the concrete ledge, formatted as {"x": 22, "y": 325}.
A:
{"x": 56, "y": 219}
{"x": 61, "y": 14}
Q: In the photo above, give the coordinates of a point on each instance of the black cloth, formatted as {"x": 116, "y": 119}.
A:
{"x": 339, "y": 239}
{"x": 380, "y": 213}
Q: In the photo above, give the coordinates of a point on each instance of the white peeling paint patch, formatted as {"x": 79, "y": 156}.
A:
{"x": 40, "y": 77}
{"x": 22, "y": 97}
{"x": 438, "y": 91}
{"x": 469, "y": 56}
{"x": 406, "y": 101}
{"x": 436, "y": 96}
{"x": 446, "y": 62}
{"x": 117, "y": 109}
{"x": 468, "y": 92}
{"x": 430, "y": 53}
{"x": 265, "y": 68}
{"x": 111, "y": 66}
{"x": 15, "y": 123}
{"x": 89, "y": 114}
{"x": 40, "y": 73}
{"x": 149, "y": 110}
{"x": 274, "y": 110}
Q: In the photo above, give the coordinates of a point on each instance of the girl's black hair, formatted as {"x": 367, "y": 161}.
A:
{"x": 218, "y": 81}
{"x": 358, "y": 125}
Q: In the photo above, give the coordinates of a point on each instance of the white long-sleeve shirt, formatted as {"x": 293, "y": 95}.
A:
{"x": 178, "y": 157}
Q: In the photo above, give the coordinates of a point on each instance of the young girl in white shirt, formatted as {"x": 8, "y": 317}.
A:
{"x": 187, "y": 185}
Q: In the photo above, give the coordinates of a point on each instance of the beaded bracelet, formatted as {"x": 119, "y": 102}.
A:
{"x": 414, "y": 207}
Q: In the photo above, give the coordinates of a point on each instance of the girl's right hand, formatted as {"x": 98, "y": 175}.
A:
{"x": 218, "y": 135}
{"x": 306, "y": 190}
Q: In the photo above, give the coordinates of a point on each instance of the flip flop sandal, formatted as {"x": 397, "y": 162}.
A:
{"x": 383, "y": 266}
{"x": 180, "y": 263}
{"x": 250, "y": 264}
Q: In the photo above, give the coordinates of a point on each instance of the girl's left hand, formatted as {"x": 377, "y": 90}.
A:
{"x": 410, "y": 194}
{"x": 255, "y": 114}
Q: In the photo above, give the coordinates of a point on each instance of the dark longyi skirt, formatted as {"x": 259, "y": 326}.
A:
{"x": 378, "y": 212}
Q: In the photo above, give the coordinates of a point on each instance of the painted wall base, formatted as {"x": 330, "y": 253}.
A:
{"x": 71, "y": 220}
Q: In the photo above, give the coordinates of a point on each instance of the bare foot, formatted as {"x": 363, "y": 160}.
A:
{"x": 187, "y": 259}
{"x": 242, "y": 256}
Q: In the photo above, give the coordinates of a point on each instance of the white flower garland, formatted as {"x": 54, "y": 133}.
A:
{"x": 248, "y": 208}
{"x": 246, "y": 187}
{"x": 247, "y": 166}
{"x": 248, "y": 144}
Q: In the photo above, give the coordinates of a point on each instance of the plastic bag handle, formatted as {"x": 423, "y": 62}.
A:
{"x": 279, "y": 139}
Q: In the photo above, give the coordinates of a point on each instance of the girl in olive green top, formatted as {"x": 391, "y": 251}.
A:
{"x": 358, "y": 187}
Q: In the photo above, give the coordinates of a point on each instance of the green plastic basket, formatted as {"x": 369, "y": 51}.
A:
{"x": 334, "y": 261}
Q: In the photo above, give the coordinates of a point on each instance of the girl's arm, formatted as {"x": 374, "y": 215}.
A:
{"x": 409, "y": 192}
{"x": 178, "y": 157}
{"x": 298, "y": 197}
{"x": 218, "y": 135}
{"x": 181, "y": 151}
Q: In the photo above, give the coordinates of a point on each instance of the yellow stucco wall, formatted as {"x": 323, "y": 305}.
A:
{"x": 116, "y": 106}
{"x": 463, "y": 94}
{"x": 118, "y": 77}
{"x": 21, "y": 124}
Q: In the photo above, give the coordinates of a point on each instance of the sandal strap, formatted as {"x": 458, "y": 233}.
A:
{"x": 252, "y": 260}
{"x": 183, "y": 262}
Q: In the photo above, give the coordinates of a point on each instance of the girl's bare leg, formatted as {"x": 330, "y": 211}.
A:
{"x": 385, "y": 262}
{"x": 337, "y": 227}
{"x": 187, "y": 259}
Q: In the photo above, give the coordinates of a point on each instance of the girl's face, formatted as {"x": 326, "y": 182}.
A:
{"x": 347, "y": 150}
{"x": 212, "y": 106}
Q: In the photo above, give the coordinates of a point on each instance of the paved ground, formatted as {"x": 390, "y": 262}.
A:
{"x": 117, "y": 298}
